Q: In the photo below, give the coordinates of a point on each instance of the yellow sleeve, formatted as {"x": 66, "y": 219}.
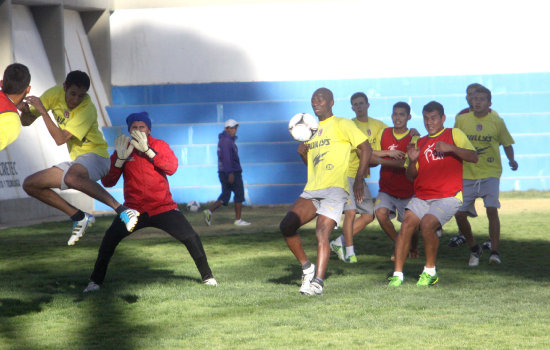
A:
{"x": 461, "y": 140}
{"x": 377, "y": 146}
{"x": 351, "y": 132}
{"x": 10, "y": 127}
{"x": 504, "y": 137}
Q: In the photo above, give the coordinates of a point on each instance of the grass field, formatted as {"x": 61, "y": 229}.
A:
{"x": 153, "y": 298}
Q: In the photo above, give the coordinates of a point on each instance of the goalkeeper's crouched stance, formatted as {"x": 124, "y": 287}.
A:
{"x": 145, "y": 162}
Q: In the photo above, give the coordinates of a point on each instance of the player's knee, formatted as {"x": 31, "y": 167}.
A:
{"x": 290, "y": 224}
{"x": 29, "y": 185}
{"x": 382, "y": 214}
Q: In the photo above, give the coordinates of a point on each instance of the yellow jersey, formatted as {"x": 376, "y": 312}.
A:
{"x": 81, "y": 122}
{"x": 486, "y": 134}
{"x": 329, "y": 152}
{"x": 372, "y": 129}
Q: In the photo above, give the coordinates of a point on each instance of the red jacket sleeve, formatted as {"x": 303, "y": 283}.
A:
{"x": 165, "y": 160}
{"x": 114, "y": 173}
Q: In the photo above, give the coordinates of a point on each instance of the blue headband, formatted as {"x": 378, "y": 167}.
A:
{"x": 141, "y": 116}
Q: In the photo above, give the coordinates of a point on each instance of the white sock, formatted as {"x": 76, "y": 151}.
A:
{"x": 429, "y": 270}
{"x": 398, "y": 274}
{"x": 349, "y": 251}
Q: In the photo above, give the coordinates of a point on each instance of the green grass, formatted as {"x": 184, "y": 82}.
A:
{"x": 153, "y": 298}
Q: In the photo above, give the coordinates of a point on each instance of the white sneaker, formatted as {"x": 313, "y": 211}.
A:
{"x": 474, "y": 258}
{"x": 130, "y": 218}
{"x": 315, "y": 288}
{"x": 338, "y": 250}
{"x": 80, "y": 227}
{"x": 210, "y": 282}
{"x": 494, "y": 259}
{"x": 92, "y": 287}
{"x": 241, "y": 222}
{"x": 307, "y": 276}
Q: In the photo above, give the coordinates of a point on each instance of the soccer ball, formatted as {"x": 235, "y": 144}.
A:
{"x": 193, "y": 206}
{"x": 303, "y": 126}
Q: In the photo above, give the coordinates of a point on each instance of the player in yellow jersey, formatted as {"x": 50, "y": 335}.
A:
{"x": 77, "y": 127}
{"x": 487, "y": 131}
{"x": 327, "y": 158}
{"x": 371, "y": 128}
{"x": 15, "y": 86}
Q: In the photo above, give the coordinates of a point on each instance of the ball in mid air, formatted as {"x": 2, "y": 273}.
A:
{"x": 303, "y": 126}
{"x": 193, "y": 206}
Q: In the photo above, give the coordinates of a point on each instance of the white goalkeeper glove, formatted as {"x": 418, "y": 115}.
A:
{"x": 139, "y": 140}
{"x": 123, "y": 149}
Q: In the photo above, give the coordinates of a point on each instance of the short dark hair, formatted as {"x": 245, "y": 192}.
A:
{"x": 78, "y": 78}
{"x": 483, "y": 90}
{"x": 473, "y": 86}
{"x": 433, "y": 106}
{"x": 359, "y": 94}
{"x": 324, "y": 91}
{"x": 16, "y": 79}
{"x": 404, "y": 105}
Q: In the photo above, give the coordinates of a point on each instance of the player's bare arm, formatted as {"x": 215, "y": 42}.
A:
{"x": 27, "y": 118}
{"x": 466, "y": 155}
{"x": 364, "y": 151}
{"x": 302, "y": 151}
{"x": 509, "y": 151}
{"x": 60, "y": 136}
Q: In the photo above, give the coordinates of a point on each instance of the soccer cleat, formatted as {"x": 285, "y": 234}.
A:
{"x": 210, "y": 282}
{"x": 241, "y": 222}
{"x": 307, "y": 276}
{"x": 80, "y": 227}
{"x": 130, "y": 218}
{"x": 92, "y": 287}
{"x": 394, "y": 281}
{"x": 426, "y": 279}
{"x": 315, "y": 288}
{"x": 207, "y": 217}
{"x": 338, "y": 249}
{"x": 494, "y": 259}
{"x": 352, "y": 259}
{"x": 474, "y": 257}
{"x": 457, "y": 241}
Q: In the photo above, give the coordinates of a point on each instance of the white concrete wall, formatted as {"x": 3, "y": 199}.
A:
{"x": 328, "y": 40}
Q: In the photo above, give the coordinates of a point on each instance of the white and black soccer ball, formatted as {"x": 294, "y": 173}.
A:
{"x": 303, "y": 126}
{"x": 193, "y": 206}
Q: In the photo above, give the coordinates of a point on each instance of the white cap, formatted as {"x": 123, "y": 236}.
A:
{"x": 231, "y": 123}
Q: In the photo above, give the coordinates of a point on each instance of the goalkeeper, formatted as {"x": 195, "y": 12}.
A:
{"x": 145, "y": 162}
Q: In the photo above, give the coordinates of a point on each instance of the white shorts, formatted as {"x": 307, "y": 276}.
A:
{"x": 444, "y": 209}
{"x": 96, "y": 165}
{"x": 366, "y": 206}
{"x": 393, "y": 204}
{"x": 329, "y": 202}
{"x": 488, "y": 189}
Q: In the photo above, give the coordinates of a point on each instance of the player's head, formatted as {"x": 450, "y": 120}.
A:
{"x": 360, "y": 104}
{"x": 231, "y": 126}
{"x": 470, "y": 91}
{"x": 15, "y": 81}
{"x": 401, "y": 114}
{"x": 434, "y": 117}
{"x": 481, "y": 101}
{"x": 139, "y": 121}
{"x": 322, "y": 102}
{"x": 76, "y": 86}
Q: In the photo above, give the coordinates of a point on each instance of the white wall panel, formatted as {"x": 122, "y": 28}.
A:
{"x": 328, "y": 40}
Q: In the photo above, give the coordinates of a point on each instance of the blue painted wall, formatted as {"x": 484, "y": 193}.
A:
{"x": 190, "y": 117}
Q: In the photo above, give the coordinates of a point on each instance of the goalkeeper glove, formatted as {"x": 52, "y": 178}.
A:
{"x": 139, "y": 140}
{"x": 123, "y": 149}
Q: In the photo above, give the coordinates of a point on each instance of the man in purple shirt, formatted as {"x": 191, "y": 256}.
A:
{"x": 230, "y": 174}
